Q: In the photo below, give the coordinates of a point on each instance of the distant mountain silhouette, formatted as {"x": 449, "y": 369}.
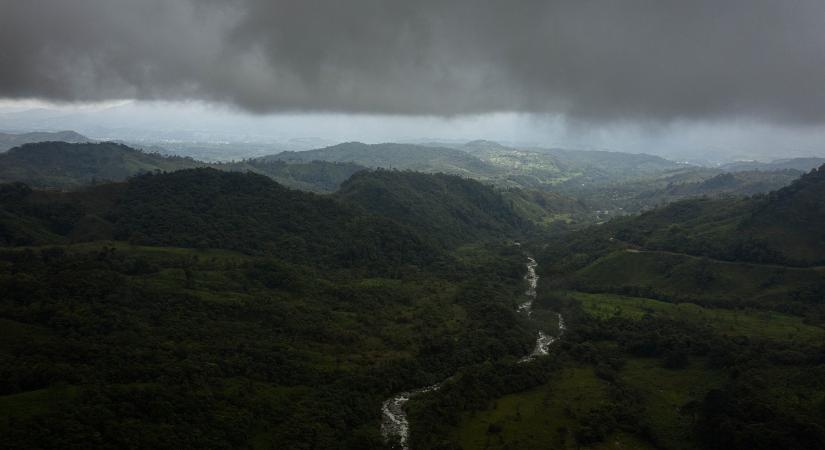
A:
{"x": 9, "y": 141}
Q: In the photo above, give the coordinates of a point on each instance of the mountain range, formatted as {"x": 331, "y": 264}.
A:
{"x": 606, "y": 183}
{"x": 184, "y": 294}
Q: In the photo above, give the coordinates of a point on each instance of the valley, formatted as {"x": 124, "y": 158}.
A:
{"x": 395, "y": 426}
{"x": 384, "y": 308}
{"x": 412, "y": 225}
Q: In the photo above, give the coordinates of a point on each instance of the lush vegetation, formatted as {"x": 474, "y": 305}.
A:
{"x": 555, "y": 189}
{"x": 379, "y": 218}
{"x": 209, "y": 309}
{"x": 608, "y": 184}
{"x": 9, "y": 140}
{"x": 667, "y": 346}
{"x": 61, "y": 165}
{"x": 206, "y": 308}
{"x": 643, "y": 374}
{"x": 396, "y": 156}
{"x": 780, "y": 228}
{"x": 625, "y": 196}
{"x": 160, "y": 347}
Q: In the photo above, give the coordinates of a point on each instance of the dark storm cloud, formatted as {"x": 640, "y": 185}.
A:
{"x": 601, "y": 60}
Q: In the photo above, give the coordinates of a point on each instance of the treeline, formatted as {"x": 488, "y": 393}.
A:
{"x": 380, "y": 220}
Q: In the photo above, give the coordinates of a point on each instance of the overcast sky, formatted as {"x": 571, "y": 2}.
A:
{"x": 736, "y": 76}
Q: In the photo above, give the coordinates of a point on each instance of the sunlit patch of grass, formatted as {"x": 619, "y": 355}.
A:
{"x": 33, "y": 403}
{"x": 545, "y": 417}
{"x": 752, "y": 323}
{"x": 666, "y": 392}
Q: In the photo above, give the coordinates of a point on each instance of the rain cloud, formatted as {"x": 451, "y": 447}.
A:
{"x": 635, "y": 60}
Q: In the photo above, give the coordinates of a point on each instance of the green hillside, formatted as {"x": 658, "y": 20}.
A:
{"x": 159, "y": 347}
{"x": 11, "y": 140}
{"x": 447, "y": 206}
{"x": 781, "y": 227}
{"x": 518, "y": 167}
{"x": 606, "y": 183}
{"x": 637, "y": 195}
{"x": 396, "y": 156}
{"x": 210, "y": 309}
{"x": 612, "y": 163}
{"x": 64, "y": 166}
{"x": 549, "y": 210}
{"x": 556, "y": 165}
{"x": 205, "y": 308}
{"x": 61, "y": 165}
{"x": 691, "y": 326}
{"x": 615, "y": 183}
{"x": 374, "y": 216}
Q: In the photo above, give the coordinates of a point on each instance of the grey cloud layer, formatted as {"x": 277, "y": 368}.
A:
{"x": 598, "y": 60}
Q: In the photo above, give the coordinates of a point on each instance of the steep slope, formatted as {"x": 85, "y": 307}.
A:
{"x": 121, "y": 331}
{"x": 65, "y": 165}
{"x": 251, "y": 213}
{"x": 783, "y": 227}
{"x": 548, "y": 208}
{"x": 207, "y": 208}
{"x": 9, "y": 140}
{"x": 698, "y": 309}
{"x": 790, "y": 222}
{"x": 376, "y": 216}
{"x": 396, "y": 156}
{"x": 448, "y": 207}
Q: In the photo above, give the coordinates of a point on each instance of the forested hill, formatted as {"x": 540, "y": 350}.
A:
{"x": 558, "y": 165}
{"x": 248, "y": 212}
{"x": 378, "y": 218}
{"x": 9, "y": 140}
{"x": 210, "y": 309}
{"x": 63, "y": 165}
{"x": 791, "y": 221}
{"x": 451, "y": 208}
{"x": 614, "y": 163}
{"x": 396, "y": 156}
{"x": 782, "y": 227}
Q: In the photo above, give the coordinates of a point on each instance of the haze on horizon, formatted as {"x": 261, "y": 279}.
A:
{"x": 733, "y": 80}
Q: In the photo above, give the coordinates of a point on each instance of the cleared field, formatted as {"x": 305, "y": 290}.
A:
{"x": 33, "y": 403}
{"x": 667, "y": 395}
{"x": 543, "y": 418}
{"x": 700, "y": 280}
{"x": 752, "y": 323}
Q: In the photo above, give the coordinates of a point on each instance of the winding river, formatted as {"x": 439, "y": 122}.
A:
{"x": 394, "y": 422}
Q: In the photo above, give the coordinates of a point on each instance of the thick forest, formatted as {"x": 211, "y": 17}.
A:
{"x": 218, "y": 309}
